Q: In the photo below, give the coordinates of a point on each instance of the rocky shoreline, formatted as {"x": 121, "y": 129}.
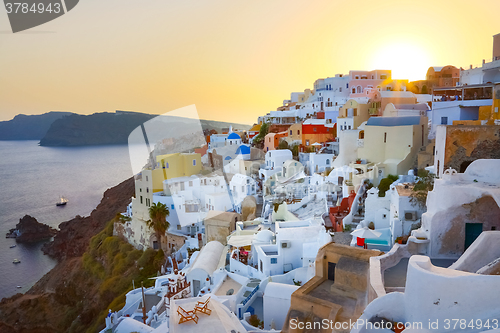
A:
{"x": 29, "y": 230}
{"x": 40, "y": 309}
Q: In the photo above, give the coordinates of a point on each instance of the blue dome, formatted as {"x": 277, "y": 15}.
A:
{"x": 243, "y": 150}
{"x": 234, "y": 136}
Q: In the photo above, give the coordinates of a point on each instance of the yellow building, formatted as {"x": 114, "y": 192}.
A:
{"x": 294, "y": 133}
{"x": 175, "y": 165}
{"x": 394, "y": 142}
{"x": 351, "y": 115}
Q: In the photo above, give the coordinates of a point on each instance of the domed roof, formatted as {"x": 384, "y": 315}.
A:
{"x": 264, "y": 236}
{"x": 234, "y": 136}
{"x": 243, "y": 149}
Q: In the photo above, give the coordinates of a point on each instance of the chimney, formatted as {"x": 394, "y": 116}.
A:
{"x": 496, "y": 47}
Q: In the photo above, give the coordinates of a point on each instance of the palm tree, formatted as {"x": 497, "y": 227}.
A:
{"x": 158, "y": 213}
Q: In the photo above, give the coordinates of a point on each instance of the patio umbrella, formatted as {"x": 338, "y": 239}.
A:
{"x": 316, "y": 144}
{"x": 366, "y": 233}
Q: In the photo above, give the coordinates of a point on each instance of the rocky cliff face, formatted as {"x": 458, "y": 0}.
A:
{"x": 65, "y": 294}
{"x": 74, "y": 235}
{"x": 29, "y": 230}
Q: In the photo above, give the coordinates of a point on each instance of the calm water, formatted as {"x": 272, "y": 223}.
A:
{"x": 32, "y": 179}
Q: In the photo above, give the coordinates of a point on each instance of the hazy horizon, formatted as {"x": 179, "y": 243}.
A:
{"x": 233, "y": 60}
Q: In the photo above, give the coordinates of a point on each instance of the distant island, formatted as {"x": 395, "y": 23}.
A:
{"x": 33, "y": 127}
{"x": 59, "y": 129}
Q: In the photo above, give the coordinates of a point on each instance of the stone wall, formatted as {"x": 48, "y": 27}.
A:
{"x": 465, "y": 144}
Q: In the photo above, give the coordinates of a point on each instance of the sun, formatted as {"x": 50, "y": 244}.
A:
{"x": 406, "y": 60}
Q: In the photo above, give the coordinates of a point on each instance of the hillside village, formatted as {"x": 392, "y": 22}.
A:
{"x": 362, "y": 203}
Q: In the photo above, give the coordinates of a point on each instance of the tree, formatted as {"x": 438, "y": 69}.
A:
{"x": 424, "y": 184}
{"x": 264, "y": 130}
{"x": 158, "y": 213}
{"x": 385, "y": 184}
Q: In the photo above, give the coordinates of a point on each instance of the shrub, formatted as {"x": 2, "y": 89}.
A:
{"x": 385, "y": 184}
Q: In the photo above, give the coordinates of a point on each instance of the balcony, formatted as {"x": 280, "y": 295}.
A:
{"x": 373, "y": 111}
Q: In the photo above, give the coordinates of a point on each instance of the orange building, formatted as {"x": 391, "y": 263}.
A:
{"x": 447, "y": 76}
{"x": 317, "y": 130}
{"x": 272, "y": 140}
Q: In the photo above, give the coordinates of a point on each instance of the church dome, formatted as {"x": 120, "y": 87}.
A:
{"x": 233, "y": 136}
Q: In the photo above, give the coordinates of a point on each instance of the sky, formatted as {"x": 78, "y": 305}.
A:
{"x": 235, "y": 60}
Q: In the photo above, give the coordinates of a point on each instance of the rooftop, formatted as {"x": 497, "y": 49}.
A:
{"x": 393, "y": 121}
{"x": 404, "y": 190}
{"x": 221, "y": 320}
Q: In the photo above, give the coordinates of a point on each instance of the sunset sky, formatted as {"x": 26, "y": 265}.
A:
{"x": 233, "y": 59}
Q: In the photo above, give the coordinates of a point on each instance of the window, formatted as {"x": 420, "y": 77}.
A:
{"x": 147, "y": 189}
{"x": 141, "y": 199}
{"x": 190, "y": 183}
{"x": 315, "y": 129}
{"x": 383, "y": 77}
{"x": 274, "y": 260}
{"x": 444, "y": 120}
{"x": 146, "y": 178}
{"x": 178, "y": 227}
{"x": 356, "y": 77}
{"x": 353, "y": 90}
{"x": 194, "y": 162}
{"x": 340, "y": 89}
{"x": 385, "y": 137}
{"x": 155, "y": 245}
{"x": 358, "y": 89}
{"x": 298, "y": 132}
{"x": 327, "y": 161}
{"x": 349, "y": 126}
{"x": 167, "y": 165}
{"x": 307, "y": 142}
{"x": 172, "y": 206}
{"x": 290, "y": 132}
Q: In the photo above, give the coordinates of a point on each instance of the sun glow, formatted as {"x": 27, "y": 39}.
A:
{"x": 407, "y": 61}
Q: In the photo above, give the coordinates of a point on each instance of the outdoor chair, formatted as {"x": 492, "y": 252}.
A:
{"x": 203, "y": 307}
{"x": 185, "y": 316}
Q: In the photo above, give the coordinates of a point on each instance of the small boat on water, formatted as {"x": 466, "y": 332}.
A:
{"x": 13, "y": 246}
{"x": 19, "y": 287}
{"x": 62, "y": 202}
{"x": 16, "y": 261}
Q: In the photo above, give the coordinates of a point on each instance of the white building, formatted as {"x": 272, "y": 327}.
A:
{"x": 242, "y": 186}
{"x": 487, "y": 72}
{"x": 274, "y": 161}
{"x": 435, "y": 296}
{"x": 277, "y": 300}
{"x": 446, "y": 112}
{"x": 316, "y": 163}
{"x": 295, "y": 245}
{"x": 200, "y": 273}
{"x": 460, "y": 207}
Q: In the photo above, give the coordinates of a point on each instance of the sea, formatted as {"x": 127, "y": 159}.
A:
{"x": 32, "y": 180}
